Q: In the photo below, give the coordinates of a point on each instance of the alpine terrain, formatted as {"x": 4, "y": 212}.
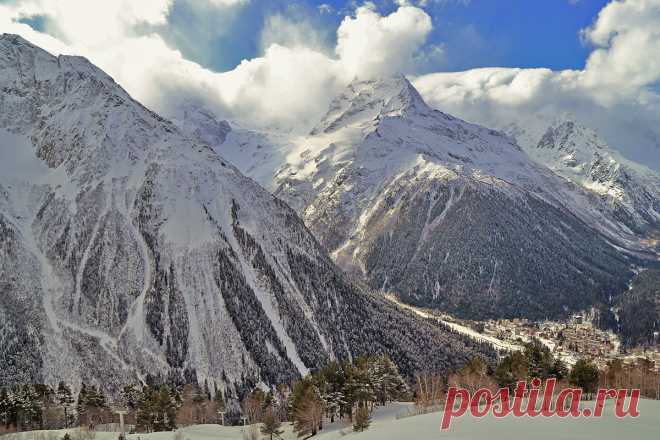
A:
{"x": 577, "y": 153}
{"x": 128, "y": 247}
{"x": 446, "y": 213}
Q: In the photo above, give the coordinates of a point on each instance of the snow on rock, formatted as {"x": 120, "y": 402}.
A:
{"x": 130, "y": 247}
{"x": 577, "y": 153}
{"x": 447, "y": 213}
{"x": 450, "y": 214}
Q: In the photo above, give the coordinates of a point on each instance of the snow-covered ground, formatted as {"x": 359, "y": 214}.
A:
{"x": 464, "y": 330}
{"x": 424, "y": 427}
{"x": 386, "y": 426}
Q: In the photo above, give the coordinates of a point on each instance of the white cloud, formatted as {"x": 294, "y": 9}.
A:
{"x": 369, "y": 44}
{"x": 325, "y": 8}
{"x": 299, "y": 32}
{"x": 627, "y": 39}
{"x": 616, "y": 92}
{"x": 298, "y": 73}
{"x": 95, "y": 23}
{"x": 228, "y": 2}
{"x": 291, "y": 84}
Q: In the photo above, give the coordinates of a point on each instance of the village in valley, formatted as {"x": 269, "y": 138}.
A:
{"x": 575, "y": 338}
{"x": 570, "y": 340}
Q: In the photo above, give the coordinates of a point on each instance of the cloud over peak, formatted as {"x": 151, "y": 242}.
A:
{"x": 290, "y": 84}
{"x": 302, "y": 66}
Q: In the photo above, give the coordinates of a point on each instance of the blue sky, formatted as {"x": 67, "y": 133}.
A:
{"x": 476, "y": 33}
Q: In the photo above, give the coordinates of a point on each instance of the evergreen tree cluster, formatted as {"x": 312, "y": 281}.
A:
{"x": 157, "y": 409}
{"x": 345, "y": 390}
{"x": 37, "y": 406}
{"x": 535, "y": 361}
{"x": 639, "y": 310}
{"x": 150, "y": 408}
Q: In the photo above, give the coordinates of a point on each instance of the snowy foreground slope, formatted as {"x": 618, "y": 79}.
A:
{"x": 128, "y": 248}
{"x": 445, "y": 213}
{"x": 385, "y": 426}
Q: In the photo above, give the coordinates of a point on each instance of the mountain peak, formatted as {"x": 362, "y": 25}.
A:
{"x": 567, "y": 135}
{"x": 16, "y": 40}
{"x": 201, "y": 123}
{"x": 364, "y": 101}
{"x": 23, "y": 61}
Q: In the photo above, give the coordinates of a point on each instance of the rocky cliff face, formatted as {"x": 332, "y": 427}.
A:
{"x": 128, "y": 247}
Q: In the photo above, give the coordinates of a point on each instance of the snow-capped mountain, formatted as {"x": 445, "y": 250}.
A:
{"x": 129, "y": 248}
{"x": 577, "y": 153}
{"x": 259, "y": 154}
{"x": 201, "y": 123}
{"x": 447, "y": 213}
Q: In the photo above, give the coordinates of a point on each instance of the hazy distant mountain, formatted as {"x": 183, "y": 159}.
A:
{"x": 577, "y": 153}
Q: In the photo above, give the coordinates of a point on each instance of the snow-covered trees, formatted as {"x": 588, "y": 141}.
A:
{"x": 91, "y": 406}
{"x": 35, "y": 406}
{"x": 64, "y": 397}
{"x": 389, "y": 384}
{"x": 342, "y": 389}
{"x": 639, "y": 309}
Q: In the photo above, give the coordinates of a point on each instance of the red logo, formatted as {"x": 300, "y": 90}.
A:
{"x": 535, "y": 402}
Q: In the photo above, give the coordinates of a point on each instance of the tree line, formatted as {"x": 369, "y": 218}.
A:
{"x": 346, "y": 391}
{"x": 156, "y": 407}
{"x": 340, "y": 390}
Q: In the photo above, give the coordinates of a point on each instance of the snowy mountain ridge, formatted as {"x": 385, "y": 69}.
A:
{"x": 129, "y": 247}
{"x": 444, "y": 212}
{"x": 580, "y": 155}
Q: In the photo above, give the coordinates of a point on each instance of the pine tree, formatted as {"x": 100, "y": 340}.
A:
{"x": 130, "y": 397}
{"x": 271, "y": 426}
{"x": 5, "y": 408}
{"x": 207, "y": 392}
{"x": 157, "y": 409}
{"x": 81, "y": 407}
{"x": 511, "y": 369}
{"x": 389, "y": 385}
{"x": 306, "y": 408}
{"x": 334, "y": 401}
{"x": 65, "y": 399}
{"x": 539, "y": 359}
{"x": 28, "y": 407}
{"x": 362, "y": 419}
{"x": 585, "y": 375}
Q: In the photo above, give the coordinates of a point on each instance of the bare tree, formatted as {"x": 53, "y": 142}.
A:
{"x": 429, "y": 390}
{"x": 308, "y": 419}
{"x": 251, "y": 433}
{"x": 252, "y": 409}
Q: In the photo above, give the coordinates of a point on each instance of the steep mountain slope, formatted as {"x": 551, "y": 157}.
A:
{"x": 450, "y": 214}
{"x": 579, "y": 154}
{"x": 638, "y": 310}
{"x": 128, "y": 248}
